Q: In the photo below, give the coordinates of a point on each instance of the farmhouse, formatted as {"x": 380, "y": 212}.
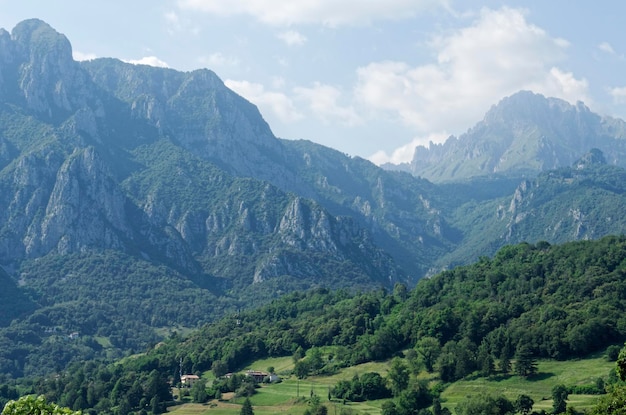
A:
{"x": 189, "y": 380}
{"x": 259, "y": 376}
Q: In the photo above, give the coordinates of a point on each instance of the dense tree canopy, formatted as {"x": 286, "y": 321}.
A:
{"x": 527, "y": 302}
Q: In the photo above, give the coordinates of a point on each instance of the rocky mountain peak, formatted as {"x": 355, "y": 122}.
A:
{"x": 523, "y": 134}
{"x": 39, "y": 71}
{"x": 37, "y": 40}
{"x": 523, "y": 105}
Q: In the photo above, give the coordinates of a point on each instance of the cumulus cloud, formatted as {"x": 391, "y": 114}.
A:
{"x": 499, "y": 54}
{"x": 150, "y": 61}
{"x": 404, "y": 154}
{"x": 320, "y": 101}
{"x": 618, "y": 94}
{"x": 292, "y": 38}
{"x": 275, "y": 102}
{"x": 326, "y": 12}
{"x": 323, "y": 101}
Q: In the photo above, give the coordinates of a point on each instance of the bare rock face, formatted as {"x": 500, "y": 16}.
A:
{"x": 50, "y": 81}
{"x": 84, "y": 172}
{"x": 525, "y": 133}
{"x": 6, "y": 57}
{"x": 86, "y": 208}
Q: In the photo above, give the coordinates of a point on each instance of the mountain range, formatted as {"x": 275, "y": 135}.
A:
{"x": 134, "y": 199}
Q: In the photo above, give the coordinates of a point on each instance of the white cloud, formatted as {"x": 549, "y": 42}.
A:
{"x": 292, "y": 38}
{"x": 564, "y": 85}
{"x": 323, "y": 101}
{"x": 404, "y": 154}
{"x": 607, "y": 48}
{"x": 274, "y": 102}
{"x": 497, "y": 55}
{"x": 326, "y": 12}
{"x": 278, "y": 82}
{"x": 319, "y": 101}
{"x": 150, "y": 61}
{"x": 80, "y": 56}
{"x": 618, "y": 94}
{"x": 175, "y": 24}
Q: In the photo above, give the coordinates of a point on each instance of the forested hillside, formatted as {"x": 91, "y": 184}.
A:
{"x": 528, "y": 301}
{"x": 581, "y": 201}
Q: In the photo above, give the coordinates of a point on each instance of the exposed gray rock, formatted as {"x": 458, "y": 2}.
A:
{"x": 525, "y": 133}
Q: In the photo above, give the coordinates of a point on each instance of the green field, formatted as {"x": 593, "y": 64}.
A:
{"x": 539, "y": 387}
{"x": 289, "y": 396}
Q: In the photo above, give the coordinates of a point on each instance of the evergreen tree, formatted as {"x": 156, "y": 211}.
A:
{"x": 246, "y": 408}
{"x": 505, "y": 357}
{"x": 484, "y": 360}
{"x": 525, "y": 363}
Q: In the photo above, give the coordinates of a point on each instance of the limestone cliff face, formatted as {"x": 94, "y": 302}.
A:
{"x": 200, "y": 112}
{"x": 58, "y": 203}
{"x": 39, "y": 59}
{"x": 203, "y": 116}
{"x": 23, "y": 196}
{"x": 85, "y": 209}
{"x": 82, "y": 169}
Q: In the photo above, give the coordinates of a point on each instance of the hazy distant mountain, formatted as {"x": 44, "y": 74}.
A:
{"x": 525, "y": 133}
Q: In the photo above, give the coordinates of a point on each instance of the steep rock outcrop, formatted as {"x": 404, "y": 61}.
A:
{"x": 50, "y": 82}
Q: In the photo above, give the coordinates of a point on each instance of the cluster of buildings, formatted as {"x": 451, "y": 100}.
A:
{"x": 189, "y": 380}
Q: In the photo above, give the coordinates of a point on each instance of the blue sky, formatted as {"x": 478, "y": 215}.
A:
{"x": 371, "y": 78}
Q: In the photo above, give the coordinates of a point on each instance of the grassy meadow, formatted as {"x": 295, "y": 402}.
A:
{"x": 290, "y": 396}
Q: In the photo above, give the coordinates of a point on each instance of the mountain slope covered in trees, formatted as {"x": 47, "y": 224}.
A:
{"x": 528, "y": 301}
